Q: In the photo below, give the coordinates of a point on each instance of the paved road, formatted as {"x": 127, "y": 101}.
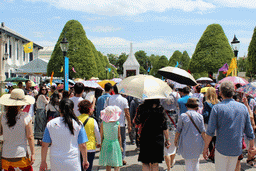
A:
{"x": 134, "y": 165}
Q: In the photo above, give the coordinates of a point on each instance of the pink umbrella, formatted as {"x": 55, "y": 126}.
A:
{"x": 235, "y": 80}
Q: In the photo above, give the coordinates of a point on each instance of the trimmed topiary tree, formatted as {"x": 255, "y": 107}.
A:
{"x": 176, "y": 57}
{"x": 212, "y": 51}
{"x": 162, "y": 62}
{"x": 251, "y": 60}
{"x": 80, "y": 53}
{"x": 184, "y": 61}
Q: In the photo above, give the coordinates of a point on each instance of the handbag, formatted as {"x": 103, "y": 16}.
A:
{"x": 193, "y": 123}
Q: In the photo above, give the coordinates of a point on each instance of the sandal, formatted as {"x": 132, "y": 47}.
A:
{"x": 251, "y": 162}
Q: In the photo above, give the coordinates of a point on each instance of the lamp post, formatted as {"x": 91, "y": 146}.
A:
{"x": 235, "y": 46}
{"x": 64, "y": 47}
{"x": 106, "y": 71}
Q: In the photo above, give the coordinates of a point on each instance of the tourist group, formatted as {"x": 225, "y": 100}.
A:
{"x": 217, "y": 121}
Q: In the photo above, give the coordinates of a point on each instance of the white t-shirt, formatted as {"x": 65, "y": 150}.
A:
{"x": 121, "y": 102}
{"x": 76, "y": 100}
{"x": 41, "y": 102}
{"x": 15, "y": 140}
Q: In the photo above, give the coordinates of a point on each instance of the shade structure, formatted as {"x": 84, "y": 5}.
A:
{"x": 204, "y": 80}
{"x": 235, "y": 80}
{"x": 102, "y": 83}
{"x": 179, "y": 75}
{"x": 91, "y": 84}
{"x": 16, "y": 79}
{"x": 36, "y": 67}
{"x": 144, "y": 87}
{"x": 249, "y": 89}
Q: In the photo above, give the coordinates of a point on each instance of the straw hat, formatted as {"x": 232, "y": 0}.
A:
{"x": 16, "y": 98}
{"x": 111, "y": 113}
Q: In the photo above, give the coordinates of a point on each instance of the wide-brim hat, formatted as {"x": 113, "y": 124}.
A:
{"x": 16, "y": 98}
{"x": 111, "y": 113}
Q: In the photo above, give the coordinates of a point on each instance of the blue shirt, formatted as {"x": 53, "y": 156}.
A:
{"x": 231, "y": 120}
{"x": 100, "y": 103}
{"x": 182, "y": 104}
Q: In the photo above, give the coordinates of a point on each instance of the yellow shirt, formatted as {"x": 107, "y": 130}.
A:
{"x": 89, "y": 128}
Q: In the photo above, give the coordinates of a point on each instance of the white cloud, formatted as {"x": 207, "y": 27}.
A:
{"x": 156, "y": 46}
{"x": 236, "y": 3}
{"x": 39, "y": 34}
{"x": 46, "y": 43}
{"x": 129, "y": 7}
{"x": 103, "y": 29}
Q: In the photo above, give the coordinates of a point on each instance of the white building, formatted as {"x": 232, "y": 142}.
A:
{"x": 12, "y": 55}
{"x": 131, "y": 65}
{"x": 46, "y": 52}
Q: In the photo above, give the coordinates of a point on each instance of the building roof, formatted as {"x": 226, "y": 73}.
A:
{"x": 12, "y": 33}
{"x": 131, "y": 61}
{"x": 36, "y": 67}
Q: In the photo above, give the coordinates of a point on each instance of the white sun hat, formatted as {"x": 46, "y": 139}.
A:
{"x": 16, "y": 98}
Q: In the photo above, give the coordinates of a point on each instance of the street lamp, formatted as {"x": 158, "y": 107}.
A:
{"x": 106, "y": 71}
{"x": 235, "y": 45}
{"x": 64, "y": 47}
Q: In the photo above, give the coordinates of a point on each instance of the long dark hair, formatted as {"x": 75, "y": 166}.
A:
{"x": 67, "y": 109}
{"x": 55, "y": 99}
{"x": 40, "y": 91}
{"x": 11, "y": 115}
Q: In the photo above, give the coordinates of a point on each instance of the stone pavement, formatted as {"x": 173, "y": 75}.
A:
{"x": 134, "y": 165}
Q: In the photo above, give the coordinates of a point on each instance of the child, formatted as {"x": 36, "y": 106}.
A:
{"x": 111, "y": 151}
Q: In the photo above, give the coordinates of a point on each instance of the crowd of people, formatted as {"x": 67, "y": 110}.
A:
{"x": 74, "y": 123}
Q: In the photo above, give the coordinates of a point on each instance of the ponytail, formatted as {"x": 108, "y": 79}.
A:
{"x": 67, "y": 109}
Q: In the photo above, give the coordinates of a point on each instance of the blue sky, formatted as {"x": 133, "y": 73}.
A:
{"x": 157, "y": 27}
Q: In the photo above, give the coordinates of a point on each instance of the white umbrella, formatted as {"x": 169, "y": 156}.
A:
{"x": 144, "y": 87}
{"x": 179, "y": 75}
{"x": 91, "y": 84}
{"x": 204, "y": 80}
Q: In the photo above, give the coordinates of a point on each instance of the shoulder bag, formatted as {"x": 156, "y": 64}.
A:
{"x": 193, "y": 122}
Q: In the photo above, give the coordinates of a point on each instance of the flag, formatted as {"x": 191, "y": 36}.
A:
{"x": 177, "y": 64}
{"x": 73, "y": 69}
{"x": 28, "y": 48}
{"x": 232, "y": 66}
{"x": 149, "y": 69}
{"x": 51, "y": 78}
{"x": 61, "y": 70}
{"x": 224, "y": 68}
{"x": 189, "y": 71}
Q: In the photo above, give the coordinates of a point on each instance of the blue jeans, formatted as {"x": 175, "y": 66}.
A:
{"x": 123, "y": 138}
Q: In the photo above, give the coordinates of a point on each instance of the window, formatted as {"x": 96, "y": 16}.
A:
{"x": 24, "y": 57}
{"x": 6, "y": 47}
{"x": 17, "y": 51}
{"x": 31, "y": 56}
{"x": 10, "y": 50}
